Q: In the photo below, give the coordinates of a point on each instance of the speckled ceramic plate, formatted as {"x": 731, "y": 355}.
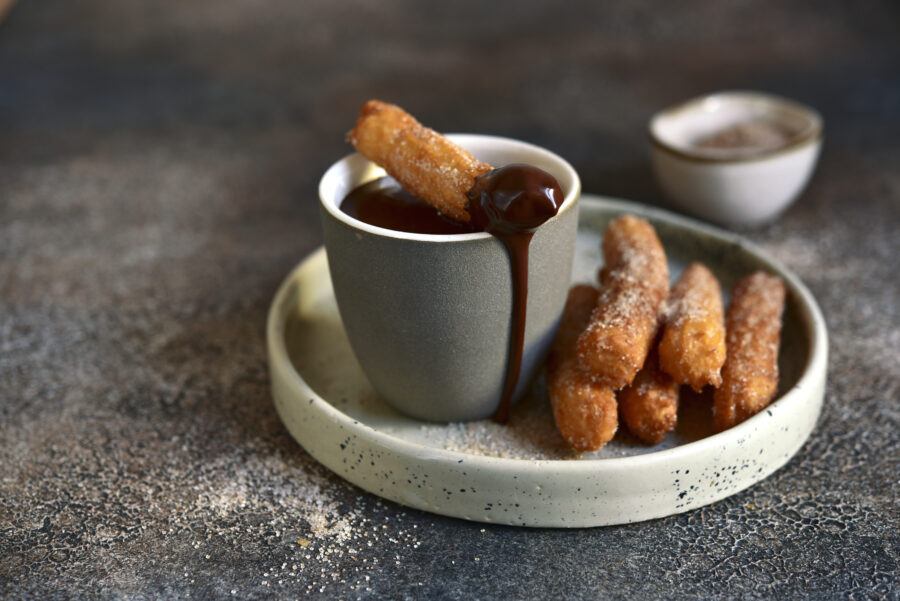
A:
{"x": 522, "y": 473}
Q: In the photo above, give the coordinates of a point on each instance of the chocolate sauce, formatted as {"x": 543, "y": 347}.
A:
{"x": 384, "y": 203}
{"x": 510, "y": 202}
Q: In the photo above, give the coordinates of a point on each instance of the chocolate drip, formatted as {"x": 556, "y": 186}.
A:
{"x": 511, "y": 203}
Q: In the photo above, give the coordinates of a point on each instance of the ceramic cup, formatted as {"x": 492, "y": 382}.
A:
{"x": 429, "y": 316}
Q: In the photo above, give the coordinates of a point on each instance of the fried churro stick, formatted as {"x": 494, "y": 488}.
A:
{"x": 581, "y": 300}
{"x": 692, "y": 349}
{"x": 585, "y": 412}
{"x": 753, "y": 335}
{"x": 649, "y": 407}
{"x": 427, "y": 164}
{"x": 635, "y": 281}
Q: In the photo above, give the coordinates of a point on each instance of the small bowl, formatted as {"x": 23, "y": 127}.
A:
{"x": 738, "y": 159}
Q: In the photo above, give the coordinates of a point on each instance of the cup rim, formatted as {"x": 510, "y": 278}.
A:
{"x": 331, "y": 205}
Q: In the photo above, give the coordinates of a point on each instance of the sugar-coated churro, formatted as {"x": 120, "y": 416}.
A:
{"x": 635, "y": 283}
{"x": 580, "y": 302}
{"x": 427, "y": 164}
{"x": 753, "y": 335}
{"x": 692, "y": 348}
{"x": 585, "y": 412}
{"x": 649, "y": 406}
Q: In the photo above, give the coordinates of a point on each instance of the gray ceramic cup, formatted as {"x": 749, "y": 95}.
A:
{"x": 429, "y": 316}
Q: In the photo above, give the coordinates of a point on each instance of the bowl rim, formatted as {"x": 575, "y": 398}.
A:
{"x": 811, "y": 134}
{"x": 332, "y": 206}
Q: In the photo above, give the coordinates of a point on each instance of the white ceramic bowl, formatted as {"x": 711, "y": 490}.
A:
{"x": 737, "y": 186}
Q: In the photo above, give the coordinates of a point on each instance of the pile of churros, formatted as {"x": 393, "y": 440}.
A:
{"x": 624, "y": 349}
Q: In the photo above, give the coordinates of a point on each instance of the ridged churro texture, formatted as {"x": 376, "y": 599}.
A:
{"x": 427, "y": 164}
{"x": 585, "y": 412}
{"x": 753, "y": 335}
{"x": 692, "y": 349}
{"x": 635, "y": 283}
{"x": 649, "y": 407}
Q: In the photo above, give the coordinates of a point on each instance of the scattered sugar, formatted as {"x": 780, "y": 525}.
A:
{"x": 530, "y": 433}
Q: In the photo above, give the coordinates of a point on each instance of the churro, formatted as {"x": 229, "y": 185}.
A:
{"x": 649, "y": 406}
{"x": 426, "y": 164}
{"x": 753, "y": 333}
{"x": 580, "y": 301}
{"x": 585, "y": 412}
{"x": 692, "y": 348}
{"x": 635, "y": 283}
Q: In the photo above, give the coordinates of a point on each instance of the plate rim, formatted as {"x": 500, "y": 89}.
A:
{"x": 805, "y": 398}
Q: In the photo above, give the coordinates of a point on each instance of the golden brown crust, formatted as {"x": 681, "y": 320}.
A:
{"x": 585, "y": 412}
{"x": 635, "y": 280}
{"x": 753, "y": 336}
{"x": 692, "y": 349}
{"x": 580, "y": 302}
{"x": 649, "y": 407}
{"x": 427, "y": 164}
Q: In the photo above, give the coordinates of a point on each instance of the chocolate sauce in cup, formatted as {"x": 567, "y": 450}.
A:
{"x": 451, "y": 326}
{"x": 384, "y": 203}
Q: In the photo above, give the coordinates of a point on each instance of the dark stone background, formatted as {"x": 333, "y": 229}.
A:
{"x": 158, "y": 170}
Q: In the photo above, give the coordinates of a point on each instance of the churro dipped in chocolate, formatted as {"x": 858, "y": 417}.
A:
{"x": 753, "y": 336}
{"x": 585, "y": 412}
{"x": 649, "y": 406}
{"x": 692, "y": 348}
{"x": 509, "y": 202}
{"x": 635, "y": 283}
{"x": 426, "y": 164}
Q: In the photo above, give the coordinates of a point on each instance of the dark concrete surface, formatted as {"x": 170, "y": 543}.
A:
{"x": 158, "y": 170}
